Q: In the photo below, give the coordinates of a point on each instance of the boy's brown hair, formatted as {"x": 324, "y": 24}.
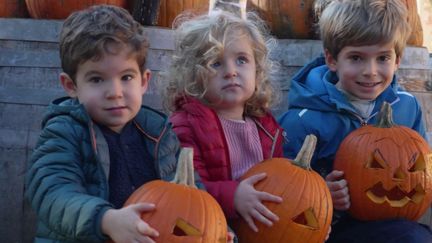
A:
{"x": 364, "y": 22}
{"x": 98, "y": 30}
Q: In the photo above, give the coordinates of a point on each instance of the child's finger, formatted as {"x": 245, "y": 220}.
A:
{"x": 145, "y": 229}
{"x": 337, "y": 185}
{"x": 334, "y": 175}
{"x": 255, "y": 178}
{"x": 340, "y": 193}
{"x": 266, "y": 212}
{"x": 250, "y": 222}
{"x": 143, "y": 207}
{"x": 265, "y": 196}
{"x": 258, "y": 216}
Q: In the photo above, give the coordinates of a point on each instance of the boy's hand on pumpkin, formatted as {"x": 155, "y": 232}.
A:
{"x": 339, "y": 190}
{"x": 126, "y": 225}
{"x": 248, "y": 202}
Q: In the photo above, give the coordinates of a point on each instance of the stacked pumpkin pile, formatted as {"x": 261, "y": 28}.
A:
{"x": 294, "y": 19}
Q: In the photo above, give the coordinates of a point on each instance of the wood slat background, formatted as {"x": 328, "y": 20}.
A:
{"x": 29, "y": 68}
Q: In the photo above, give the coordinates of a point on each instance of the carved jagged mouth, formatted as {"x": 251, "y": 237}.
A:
{"x": 395, "y": 197}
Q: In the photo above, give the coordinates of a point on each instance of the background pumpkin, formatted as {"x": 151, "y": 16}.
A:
{"x": 54, "y": 9}
{"x": 13, "y": 9}
{"x": 184, "y": 214}
{"x": 306, "y": 211}
{"x": 292, "y": 19}
{"x": 388, "y": 169}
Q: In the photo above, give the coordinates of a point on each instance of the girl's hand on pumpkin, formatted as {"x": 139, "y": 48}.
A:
{"x": 248, "y": 202}
{"x": 339, "y": 190}
{"x": 126, "y": 225}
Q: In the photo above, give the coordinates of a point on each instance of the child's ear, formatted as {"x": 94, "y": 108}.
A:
{"x": 398, "y": 61}
{"x": 68, "y": 85}
{"x": 146, "y": 76}
{"x": 330, "y": 60}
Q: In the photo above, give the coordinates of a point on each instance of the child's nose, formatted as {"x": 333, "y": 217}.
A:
{"x": 115, "y": 89}
{"x": 370, "y": 68}
{"x": 230, "y": 70}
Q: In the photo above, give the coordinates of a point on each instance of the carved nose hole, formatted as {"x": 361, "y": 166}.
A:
{"x": 399, "y": 175}
{"x": 183, "y": 228}
{"x": 307, "y": 218}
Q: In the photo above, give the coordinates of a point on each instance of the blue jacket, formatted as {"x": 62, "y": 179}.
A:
{"x": 67, "y": 179}
{"x": 317, "y": 107}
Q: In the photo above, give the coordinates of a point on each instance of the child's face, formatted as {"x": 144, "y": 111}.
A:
{"x": 234, "y": 81}
{"x": 110, "y": 89}
{"x": 365, "y": 71}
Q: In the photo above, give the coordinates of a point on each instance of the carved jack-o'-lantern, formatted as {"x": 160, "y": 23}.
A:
{"x": 388, "y": 169}
{"x": 183, "y": 214}
{"x": 306, "y": 211}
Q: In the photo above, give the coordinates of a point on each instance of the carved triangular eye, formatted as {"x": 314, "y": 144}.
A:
{"x": 307, "y": 218}
{"x": 183, "y": 228}
{"x": 417, "y": 163}
{"x": 377, "y": 161}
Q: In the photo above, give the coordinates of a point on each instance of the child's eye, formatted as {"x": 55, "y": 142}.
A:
{"x": 384, "y": 58}
{"x": 355, "y": 58}
{"x": 215, "y": 64}
{"x": 242, "y": 60}
{"x": 127, "y": 77}
{"x": 96, "y": 80}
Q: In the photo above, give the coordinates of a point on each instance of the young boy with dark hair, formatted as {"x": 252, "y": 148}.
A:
{"x": 99, "y": 144}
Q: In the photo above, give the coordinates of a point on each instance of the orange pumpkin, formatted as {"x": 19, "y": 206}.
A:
{"x": 306, "y": 211}
{"x": 416, "y": 37}
{"x": 388, "y": 169}
{"x": 183, "y": 213}
{"x": 292, "y": 19}
{"x": 54, "y": 9}
{"x": 13, "y": 8}
{"x": 168, "y": 10}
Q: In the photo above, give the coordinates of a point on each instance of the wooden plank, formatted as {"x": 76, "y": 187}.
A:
{"x": 30, "y": 77}
{"x": 416, "y": 85}
{"x": 12, "y": 169}
{"x": 29, "y": 58}
{"x": 29, "y": 96}
{"x": 30, "y": 29}
{"x": 48, "y": 31}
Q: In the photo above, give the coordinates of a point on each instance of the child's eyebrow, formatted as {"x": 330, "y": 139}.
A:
{"x": 91, "y": 73}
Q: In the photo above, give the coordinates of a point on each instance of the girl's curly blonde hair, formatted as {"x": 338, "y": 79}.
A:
{"x": 199, "y": 41}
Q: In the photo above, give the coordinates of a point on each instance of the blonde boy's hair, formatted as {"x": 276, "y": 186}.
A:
{"x": 364, "y": 22}
{"x": 200, "y": 41}
{"x": 91, "y": 33}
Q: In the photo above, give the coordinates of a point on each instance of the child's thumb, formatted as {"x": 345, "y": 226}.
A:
{"x": 144, "y": 207}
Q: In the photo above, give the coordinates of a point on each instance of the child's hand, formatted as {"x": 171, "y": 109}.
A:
{"x": 328, "y": 233}
{"x": 230, "y": 237}
{"x": 338, "y": 190}
{"x": 247, "y": 202}
{"x": 125, "y": 224}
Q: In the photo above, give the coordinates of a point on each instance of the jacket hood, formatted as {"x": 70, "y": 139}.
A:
{"x": 66, "y": 106}
{"x": 308, "y": 92}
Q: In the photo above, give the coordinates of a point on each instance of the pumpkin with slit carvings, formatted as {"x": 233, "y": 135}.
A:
{"x": 388, "y": 169}
{"x": 306, "y": 211}
{"x": 183, "y": 214}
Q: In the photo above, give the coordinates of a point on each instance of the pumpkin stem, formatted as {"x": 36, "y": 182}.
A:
{"x": 304, "y": 157}
{"x": 185, "y": 171}
{"x": 385, "y": 116}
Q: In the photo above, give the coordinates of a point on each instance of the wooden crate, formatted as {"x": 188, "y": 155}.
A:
{"x": 29, "y": 69}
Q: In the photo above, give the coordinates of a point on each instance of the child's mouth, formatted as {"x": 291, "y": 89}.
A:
{"x": 368, "y": 85}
